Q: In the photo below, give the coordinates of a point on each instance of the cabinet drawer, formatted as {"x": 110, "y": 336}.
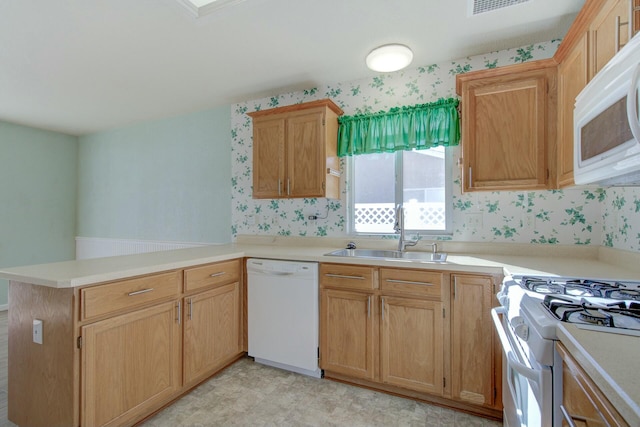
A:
{"x": 413, "y": 282}
{"x": 348, "y": 276}
{"x": 211, "y": 274}
{"x": 104, "y": 299}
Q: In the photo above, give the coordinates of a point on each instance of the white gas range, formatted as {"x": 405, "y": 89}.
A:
{"x": 531, "y": 308}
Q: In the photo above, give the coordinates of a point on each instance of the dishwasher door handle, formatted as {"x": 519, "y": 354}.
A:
{"x": 274, "y": 273}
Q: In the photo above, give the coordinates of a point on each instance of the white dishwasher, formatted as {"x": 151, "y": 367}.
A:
{"x": 282, "y": 314}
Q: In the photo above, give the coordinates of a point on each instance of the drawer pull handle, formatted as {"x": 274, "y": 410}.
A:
{"x": 408, "y": 282}
{"x": 217, "y": 274}
{"x": 141, "y": 291}
{"x": 342, "y": 276}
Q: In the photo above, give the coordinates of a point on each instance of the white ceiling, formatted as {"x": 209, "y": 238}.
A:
{"x": 82, "y": 66}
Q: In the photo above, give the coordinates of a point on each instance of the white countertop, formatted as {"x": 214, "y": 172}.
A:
{"x": 97, "y": 270}
{"x": 612, "y": 361}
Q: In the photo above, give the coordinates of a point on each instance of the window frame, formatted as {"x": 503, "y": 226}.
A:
{"x": 398, "y": 196}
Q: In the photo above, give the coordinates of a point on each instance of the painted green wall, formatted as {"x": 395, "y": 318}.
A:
{"x": 38, "y": 180}
{"x": 161, "y": 180}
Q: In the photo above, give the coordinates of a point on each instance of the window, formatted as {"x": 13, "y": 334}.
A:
{"x": 420, "y": 180}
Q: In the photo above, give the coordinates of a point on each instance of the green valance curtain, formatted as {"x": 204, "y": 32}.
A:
{"x": 417, "y": 127}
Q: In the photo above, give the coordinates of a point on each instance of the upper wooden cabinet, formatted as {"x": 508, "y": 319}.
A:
{"x": 609, "y": 31}
{"x": 295, "y": 151}
{"x": 508, "y": 126}
{"x": 573, "y": 75}
{"x": 599, "y": 31}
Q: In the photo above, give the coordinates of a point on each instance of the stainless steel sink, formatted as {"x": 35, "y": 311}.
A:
{"x": 382, "y": 254}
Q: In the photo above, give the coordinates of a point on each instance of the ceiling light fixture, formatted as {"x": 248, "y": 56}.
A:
{"x": 390, "y": 57}
{"x": 204, "y": 7}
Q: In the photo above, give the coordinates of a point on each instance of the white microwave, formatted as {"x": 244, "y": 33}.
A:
{"x": 606, "y": 126}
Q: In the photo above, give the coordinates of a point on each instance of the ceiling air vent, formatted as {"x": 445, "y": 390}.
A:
{"x": 482, "y": 6}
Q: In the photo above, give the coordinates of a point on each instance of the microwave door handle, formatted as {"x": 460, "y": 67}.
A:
{"x": 512, "y": 360}
{"x": 632, "y": 104}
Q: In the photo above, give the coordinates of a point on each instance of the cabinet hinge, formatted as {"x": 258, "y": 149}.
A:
{"x": 548, "y": 174}
{"x": 323, "y": 122}
{"x": 79, "y": 342}
{"x": 443, "y": 315}
{"x": 444, "y": 382}
{"x": 323, "y": 186}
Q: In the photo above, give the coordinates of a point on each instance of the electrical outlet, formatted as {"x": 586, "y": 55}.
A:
{"x": 529, "y": 220}
{"x": 37, "y": 331}
{"x": 474, "y": 219}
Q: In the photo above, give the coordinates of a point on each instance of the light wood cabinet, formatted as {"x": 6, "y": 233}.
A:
{"x": 583, "y": 403}
{"x": 573, "y": 76}
{"x": 412, "y": 345}
{"x": 113, "y": 353}
{"x": 348, "y": 341}
{"x": 609, "y": 31}
{"x": 212, "y": 331}
{"x": 598, "y": 32}
{"x": 399, "y": 330}
{"x": 508, "y": 127}
{"x": 131, "y": 364}
{"x": 295, "y": 151}
{"x": 473, "y": 361}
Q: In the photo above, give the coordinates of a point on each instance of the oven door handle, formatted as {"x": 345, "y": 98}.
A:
{"x": 512, "y": 360}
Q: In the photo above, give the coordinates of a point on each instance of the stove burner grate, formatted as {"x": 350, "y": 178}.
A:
{"x": 617, "y": 314}
{"x": 596, "y": 317}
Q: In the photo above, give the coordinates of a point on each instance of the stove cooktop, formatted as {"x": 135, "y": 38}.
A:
{"x": 609, "y": 289}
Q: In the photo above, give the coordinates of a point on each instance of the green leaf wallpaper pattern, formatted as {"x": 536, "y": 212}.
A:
{"x": 580, "y": 216}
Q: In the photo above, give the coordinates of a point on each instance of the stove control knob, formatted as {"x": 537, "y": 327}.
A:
{"x": 517, "y": 321}
{"x": 522, "y": 331}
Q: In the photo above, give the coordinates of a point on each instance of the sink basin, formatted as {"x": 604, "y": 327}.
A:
{"x": 383, "y": 254}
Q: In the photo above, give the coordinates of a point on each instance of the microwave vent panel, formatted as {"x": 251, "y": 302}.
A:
{"x": 482, "y": 6}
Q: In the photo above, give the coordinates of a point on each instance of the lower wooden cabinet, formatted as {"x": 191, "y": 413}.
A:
{"x": 116, "y": 352}
{"x": 425, "y": 334}
{"x": 472, "y": 340}
{"x": 347, "y": 341}
{"x": 212, "y": 331}
{"x": 131, "y": 364}
{"x": 583, "y": 403}
{"x": 412, "y": 347}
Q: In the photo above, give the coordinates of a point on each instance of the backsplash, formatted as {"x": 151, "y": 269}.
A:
{"x": 574, "y": 216}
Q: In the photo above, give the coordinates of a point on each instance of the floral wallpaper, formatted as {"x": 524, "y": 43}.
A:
{"x": 580, "y": 216}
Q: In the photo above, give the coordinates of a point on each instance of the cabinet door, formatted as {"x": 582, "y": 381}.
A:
{"x": 131, "y": 365}
{"x": 306, "y": 155}
{"x": 411, "y": 343}
{"x": 572, "y": 78}
{"x": 472, "y": 336}
{"x": 583, "y": 403}
{"x": 212, "y": 331}
{"x": 610, "y": 31}
{"x": 347, "y": 333}
{"x": 268, "y": 157}
{"x": 505, "y": 134}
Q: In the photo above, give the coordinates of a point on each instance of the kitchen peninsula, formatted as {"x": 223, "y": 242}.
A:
{"x": 80, "y": 303}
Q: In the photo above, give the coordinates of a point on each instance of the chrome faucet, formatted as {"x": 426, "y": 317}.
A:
{"x": 399, "y": 228}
